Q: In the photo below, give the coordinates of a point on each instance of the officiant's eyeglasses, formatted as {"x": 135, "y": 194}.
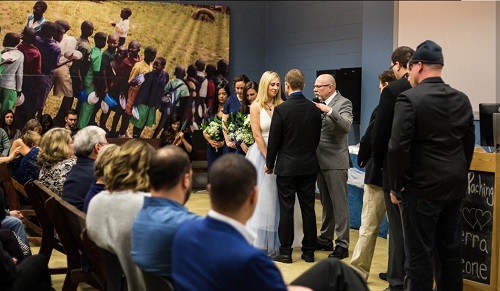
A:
{"x": 319, "y": 86}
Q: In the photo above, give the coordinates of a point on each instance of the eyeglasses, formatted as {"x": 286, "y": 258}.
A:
{"x": 319, "y": 86}
{"x": 410, "y": 65}
{"x": 390, "y": 68}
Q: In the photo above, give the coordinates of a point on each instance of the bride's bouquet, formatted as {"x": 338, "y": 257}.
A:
{"x": 213, "y": 129}
{"x": 238, "y": 128}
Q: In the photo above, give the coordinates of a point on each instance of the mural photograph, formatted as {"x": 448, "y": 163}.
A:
{"x": 126, "y": 66}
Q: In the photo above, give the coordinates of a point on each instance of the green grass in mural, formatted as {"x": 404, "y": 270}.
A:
{"x": 168, "y": 27}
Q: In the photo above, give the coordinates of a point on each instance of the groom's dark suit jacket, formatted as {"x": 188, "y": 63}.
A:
{"x": 293, "y": 137}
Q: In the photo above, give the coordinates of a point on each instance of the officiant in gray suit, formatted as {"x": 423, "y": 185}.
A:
{"x": 333, "y": 157}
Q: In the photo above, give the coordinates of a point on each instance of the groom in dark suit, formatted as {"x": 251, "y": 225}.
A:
{"x": 293, "y": 139}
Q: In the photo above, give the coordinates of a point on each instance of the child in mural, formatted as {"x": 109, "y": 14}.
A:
{"x": 149, "y": 97}
{"x": 135, "y": 80}
{"x": 11, "y": 82}
{"x": 133, "y": 57}
{"x": 86, "y": 108}
{"x": 123, "y": 26}
{"x": 35, "y": 19}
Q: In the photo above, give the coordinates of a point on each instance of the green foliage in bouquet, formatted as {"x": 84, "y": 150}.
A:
{"x": 213, "y": 128}
{"x": 238, "y": 128}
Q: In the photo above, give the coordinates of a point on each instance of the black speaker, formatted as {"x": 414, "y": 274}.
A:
{"x": 349, "y": 85}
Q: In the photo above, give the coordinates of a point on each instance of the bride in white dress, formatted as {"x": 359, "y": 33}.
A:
{"x": 265, "y": 219}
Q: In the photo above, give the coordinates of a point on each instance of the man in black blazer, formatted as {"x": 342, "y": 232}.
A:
{"x": 380, "y": 139}
{"x": 430, "y": 150}
{"x": 293, "y": 139}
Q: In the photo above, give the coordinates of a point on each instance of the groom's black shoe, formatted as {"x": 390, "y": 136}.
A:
{"x": 287, "y": 259}
{"x": 309, "y": 258}
{"x": 321, "y": 245}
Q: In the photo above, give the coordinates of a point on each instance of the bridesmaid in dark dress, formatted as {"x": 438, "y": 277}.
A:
{"x": 215, "y": 147}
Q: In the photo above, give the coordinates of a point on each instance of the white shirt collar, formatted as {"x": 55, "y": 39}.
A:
{"x": 327, "y": 101}
{"x": 246, "y": 233}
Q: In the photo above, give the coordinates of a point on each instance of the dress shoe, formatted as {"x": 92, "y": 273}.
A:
{"x": 382, "y": 276}
{"x": 287, "y": 259}
{"x": 339, "y": 253}
{"x": 322, "y": 246}
{"x": 309, "y": 258}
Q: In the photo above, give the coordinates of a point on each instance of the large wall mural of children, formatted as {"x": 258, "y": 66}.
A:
{"x": 125, "y": 66}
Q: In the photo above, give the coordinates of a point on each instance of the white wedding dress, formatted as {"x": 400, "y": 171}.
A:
{"x": 265, "y": 219}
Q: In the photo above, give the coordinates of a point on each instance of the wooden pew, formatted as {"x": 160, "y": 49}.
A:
{"x": 49, "y": 240}
{"x": 12, "y": 189}
{"x": 69, "y": 223}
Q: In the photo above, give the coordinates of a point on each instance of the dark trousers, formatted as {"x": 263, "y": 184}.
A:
{"x": 304, "y": 186}
{"x": 331, "y": 274}
{"x": 33, "y": 274}
{"x": 396, "y": 258}
{"x": 161, "y": 124}
{"x": 433, "y": 233}
{"x": 66, "y": 104}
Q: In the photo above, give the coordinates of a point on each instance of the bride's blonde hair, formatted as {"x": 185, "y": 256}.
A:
{"x": 265, "y": 80}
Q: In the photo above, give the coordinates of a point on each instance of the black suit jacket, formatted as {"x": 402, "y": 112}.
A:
{"x": 293, "y": 137}
{"x": 373, "y": 175}
{"x": 432, "y": 141}
{"x": 383, "y": 123}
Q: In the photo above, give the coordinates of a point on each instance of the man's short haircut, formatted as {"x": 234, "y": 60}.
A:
{"x": 232, "y": 178}
{"x": 167, "y": 167}
{"x": 42, "y": 5}
{"x": 162, "y": 61}
{"x": 71, "y": 112}
{"x": 240, "y": 78}
{"x": 11, "y": 39}
{"x": 296, "y": 79}
{"x": 387, "y": 76}
{"x": 402, "y": 55}
{"x": 29, "y": 35}
{"x": 64, "y": 24}
{"x": 86, "y": 139}
{"x": 128, "y": 11}
{"x": 48, "y": 29}
{"x": 200, "y": 64}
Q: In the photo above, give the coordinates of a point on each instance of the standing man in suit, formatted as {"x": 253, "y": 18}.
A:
{"x": 380, "y": 140}
{"x": 333, "y": 157}
{"x": 293, "y": 139}
{"x": 430, "y": 150}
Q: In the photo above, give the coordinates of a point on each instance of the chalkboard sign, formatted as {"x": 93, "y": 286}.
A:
{"x": 477, "y": 226}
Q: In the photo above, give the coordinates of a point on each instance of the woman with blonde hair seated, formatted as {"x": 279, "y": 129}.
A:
{"x": 55, "y": 158}
{"x": 111, "y": 213}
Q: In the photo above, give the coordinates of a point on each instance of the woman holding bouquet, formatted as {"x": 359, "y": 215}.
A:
{"x": 212, "y": 130}
{"x": 249, "y": 94}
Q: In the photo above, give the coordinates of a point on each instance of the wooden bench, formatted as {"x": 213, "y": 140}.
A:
{"x": 49, "y": 240}
{"x": 12, "y": 190}
{"x": 69, "y": 223}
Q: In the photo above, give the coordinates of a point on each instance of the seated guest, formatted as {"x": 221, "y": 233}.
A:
{"x": 30, "y": 274}
{"x": 174, "y": 135}
{"x": 46, "y": 122}
{"x": 111, "y": 213}
{"x": 7, "y": 123}
{"x": 71, "y": 121}
{"x": 31, "y": 124}
{"x": 55, "y": 158}
{"x": 170, "y": 176}
{"x": 216, "y": 253}
{"x": 104, "y": 157}
{"x": 87, "y": 143}
{"x": 29, "y": 168}
{"x": 4, "y": 143}
{"x": 12, "y": 220}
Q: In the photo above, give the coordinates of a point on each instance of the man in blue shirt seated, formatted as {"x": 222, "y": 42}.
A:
{"x": 153, "y": 230}
{"x": 215, "y": 253}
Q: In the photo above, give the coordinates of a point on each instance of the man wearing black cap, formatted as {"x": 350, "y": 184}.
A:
{"x": 380, "y": 140}
{"x": 430, "y": 150}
